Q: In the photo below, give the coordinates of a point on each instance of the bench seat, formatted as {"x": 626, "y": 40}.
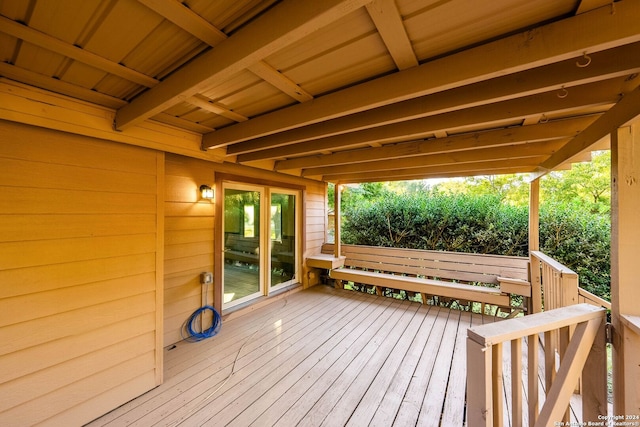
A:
{"x": 325, "y": 261}
{"x": 487, "y": 279}
{"x": 424, "y": 286}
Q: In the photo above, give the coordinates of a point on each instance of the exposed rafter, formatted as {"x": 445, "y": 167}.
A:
{"x": 623, "y": 112}
{"x": 487, "y": 116}
{"x": 506, "y": 152}
{"x": 185, "y": 18}
{"x": 522, "y": 165}
{"x": 53, "y": 44}
{"x": 386, "y": 17}
{"x": 59, "y": 86}
{"x": 472, "y": 141}
{"x": 215, "y": 107}
{"x": 249, "y": 45}
{"x": 617, "y": 62}
{"x": 194, "y": 24}
{"x": 587, "y": 5}
{"x": 544, "y": 45}
{"x": 278, "y": 80}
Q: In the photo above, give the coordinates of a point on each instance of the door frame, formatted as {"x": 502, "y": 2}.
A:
{"x": 265, "y": 209}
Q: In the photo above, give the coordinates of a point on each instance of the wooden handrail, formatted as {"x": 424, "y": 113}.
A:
{"x": 585, "y": 296}
{"x": 584, "y": 353}
{"x": 555, "y": 265}
{"x": 556, "y": 285}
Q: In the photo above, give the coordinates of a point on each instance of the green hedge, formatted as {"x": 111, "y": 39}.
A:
{"x": 483, "y": 224}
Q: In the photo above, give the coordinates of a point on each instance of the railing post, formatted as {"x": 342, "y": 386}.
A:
{"x": 569, "y": 289}
{"x": 516, "y": 382}
{"x": 532, "y": 370}
{"x": 594, "y": 378}
{"x": 497, "y": 386}
{"x": 479, "y": 385}
{"x": 536, "y": 284}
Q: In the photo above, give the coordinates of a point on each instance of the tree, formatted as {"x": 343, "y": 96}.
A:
{"x": 586, "y": 185}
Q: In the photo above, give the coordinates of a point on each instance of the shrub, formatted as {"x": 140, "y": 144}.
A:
{"x": 483, "y": 224}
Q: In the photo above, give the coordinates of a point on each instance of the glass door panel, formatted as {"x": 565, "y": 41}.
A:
{"x": 282, "y": 238}
{"x": 242, "y": 255}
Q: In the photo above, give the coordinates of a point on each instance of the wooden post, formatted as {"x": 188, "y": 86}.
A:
{"x": 534, "y": 215}
{"x": 337, "y": 250}
{"x": 218, "y": 246}
{"x": 535, "y": 302}
{"x": 532, "y": 379}
{"x": 497, "y": 385}
{"x": 625, "y": 269}
{"x": 516, "y": 382}
{"x": 479, "y": 391}
{"x": 594, "y": 379}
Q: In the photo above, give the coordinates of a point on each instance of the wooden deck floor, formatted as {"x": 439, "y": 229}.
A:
{"x": 316, "y": 357}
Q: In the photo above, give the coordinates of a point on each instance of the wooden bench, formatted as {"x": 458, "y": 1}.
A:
{"x": 246, "y": 250}
{"x": 242, "y": 249}
{"x": 464, "y": 277}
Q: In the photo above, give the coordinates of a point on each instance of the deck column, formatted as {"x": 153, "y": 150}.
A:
{"x": 535, "y": 302}
{"x": 625, "y": 269}
{"x": 337, "y": 250}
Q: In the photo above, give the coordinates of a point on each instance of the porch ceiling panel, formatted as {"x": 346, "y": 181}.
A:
{"x": 457, "y": 24}
{"x": 328, "y": 89}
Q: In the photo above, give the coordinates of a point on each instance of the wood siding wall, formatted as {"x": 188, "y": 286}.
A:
{"x": 101, "y": 248}
{"x": 189, "y": 240}
{"x": 315, "y": 223}
{"x": 80, "y": 260}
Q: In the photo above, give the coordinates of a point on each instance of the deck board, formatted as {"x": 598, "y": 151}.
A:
{"x": 322, "y": 356}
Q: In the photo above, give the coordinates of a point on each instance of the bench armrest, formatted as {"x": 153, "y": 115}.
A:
{"x": 515, "y": 286}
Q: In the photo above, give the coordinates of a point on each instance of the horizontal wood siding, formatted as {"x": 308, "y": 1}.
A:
{"x": 315, "y": 223}
{"x": 189, "y": 234}
{"x": 78, "y": 274}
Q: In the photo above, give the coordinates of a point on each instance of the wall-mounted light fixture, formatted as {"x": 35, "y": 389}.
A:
{"x": 206, "y": 192}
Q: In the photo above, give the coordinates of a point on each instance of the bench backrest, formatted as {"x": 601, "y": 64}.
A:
{"x": 240, "y": 243}
{"x": 458, "y": 266}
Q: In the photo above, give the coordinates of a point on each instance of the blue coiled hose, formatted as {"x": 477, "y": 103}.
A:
{"x": 195, "y": 335}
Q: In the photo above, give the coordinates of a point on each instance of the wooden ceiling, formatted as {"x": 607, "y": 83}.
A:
{"x": 346, "y": 90}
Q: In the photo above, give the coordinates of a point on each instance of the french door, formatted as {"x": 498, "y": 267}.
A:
{"x": 261, "y": 254}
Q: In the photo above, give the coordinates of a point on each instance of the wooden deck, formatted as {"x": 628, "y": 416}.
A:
{"x": 316, "y": 357}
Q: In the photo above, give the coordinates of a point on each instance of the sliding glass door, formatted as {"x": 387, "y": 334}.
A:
{"x": 260, "y": 241}
{"x": 242, "y": 244}
{"x": 283, "y": 237}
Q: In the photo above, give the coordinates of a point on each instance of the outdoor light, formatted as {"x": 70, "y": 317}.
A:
{"x": 206, "y": 192}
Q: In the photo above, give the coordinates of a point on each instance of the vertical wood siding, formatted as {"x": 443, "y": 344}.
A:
{"x": 189, "y": 238}
{"x": 78, "y": 272}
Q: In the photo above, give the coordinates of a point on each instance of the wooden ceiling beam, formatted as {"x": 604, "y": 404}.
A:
{"x": 387, "y": 19}
{"x": 60, "y": 47}
{"x": 278, "y": 80}
{"x": 199, "y": 27}
{"x": 215, "y": 107}
{"x": 188, "y": 20}
{"x": 587, "y": 5}
{"x": 54, "y": 85}
{"x": 471, "y": 141}
{"x": 277, "y": 28}
{"x": 182, "y": 123}
{"x": 505, "y": 152}
{"x": 626, "y": 110}
{"x": 533, "y": 48}
{"x": 467, "y": 169}
{"x": 621, "y": 61}
{"x": 593, "y": 94}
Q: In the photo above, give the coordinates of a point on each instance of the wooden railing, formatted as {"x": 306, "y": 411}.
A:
{"x": 581, "y": 353}
{"x": 585, "y": 296}
{"x": 558, "y": 283}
